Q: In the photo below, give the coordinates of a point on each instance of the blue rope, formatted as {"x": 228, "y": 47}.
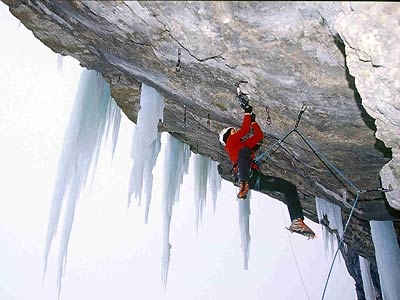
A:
{"x": 325, "y": 160}
{"x": 340, "y": 243}
{"x": 332, "y": 168}
{"x": 277, "y": 143}
{"x": 327, "y": 163}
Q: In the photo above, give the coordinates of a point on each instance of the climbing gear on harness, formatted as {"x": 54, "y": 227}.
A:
{"x": 243, "y": 189}
{"x": 223, "y": 135}
{"x": 298, "y": 226}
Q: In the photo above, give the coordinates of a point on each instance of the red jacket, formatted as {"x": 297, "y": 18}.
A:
{"x": 235, "y": 141}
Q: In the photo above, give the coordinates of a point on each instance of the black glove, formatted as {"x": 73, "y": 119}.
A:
{"x": 253, "y": 117}
{"x": 243, "y": 100}
{"x": 248, "y": 109}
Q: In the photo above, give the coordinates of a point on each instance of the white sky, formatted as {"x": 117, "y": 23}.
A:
{"x": 112, "y": 253}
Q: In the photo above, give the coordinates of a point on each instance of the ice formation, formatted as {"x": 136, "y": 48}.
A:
{"x": 146, "y": 144}
{"x": 214, "y": 182}
{"x": 176, "y": 164}
{"x": 205, "y": 174}
{"x": 94, "y": 113}
{"x": 244, "y": 226}
{"x": 333, "y": 214}
{"x": 366, "y": 279}
{"x": 59, "y": 62}
{"x": 201, "y": 165}
{"x": 387, "y": 255}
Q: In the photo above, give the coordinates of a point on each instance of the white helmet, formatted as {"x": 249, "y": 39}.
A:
{"x": 222, "y": 133}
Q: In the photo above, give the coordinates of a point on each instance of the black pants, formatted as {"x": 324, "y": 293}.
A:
{"x": 265, "y": 184}
{"x": 243, "y": 164}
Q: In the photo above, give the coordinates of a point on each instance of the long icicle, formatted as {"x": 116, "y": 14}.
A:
{"x": 93, "y": 113}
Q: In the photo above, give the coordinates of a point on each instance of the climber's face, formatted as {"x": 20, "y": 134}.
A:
{"x": 233, "y": 130}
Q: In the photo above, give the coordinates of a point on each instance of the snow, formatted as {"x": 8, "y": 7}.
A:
{"x": 94, "y": 113}
{"x": 244, "y": 226}
{"x": 366, "y": 279}
{"x": 387, "y": 255}
{"x": 146, "y": 144}
{"x": 176, "y": 164}
{"x": 333, "y": 213}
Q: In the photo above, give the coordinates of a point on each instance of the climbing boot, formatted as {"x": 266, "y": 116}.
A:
{"x": 243, "y": 189}
{"x": 299, "y": 227}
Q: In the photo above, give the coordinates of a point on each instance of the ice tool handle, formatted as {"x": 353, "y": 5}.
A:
{"x": 242, "y": 97}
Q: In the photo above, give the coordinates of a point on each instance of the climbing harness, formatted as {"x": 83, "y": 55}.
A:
{"x": 334, "y": 171}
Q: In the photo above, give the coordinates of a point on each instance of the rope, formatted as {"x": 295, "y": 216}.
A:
{"x": 324, "y": 160}
{"x": 333, "y": 170}
{"x": 294, "y": 256}
{"x": 340, "y": 244}
{"x": 277, "y": 143}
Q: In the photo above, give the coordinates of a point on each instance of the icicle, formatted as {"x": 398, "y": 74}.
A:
{"x": 59, "y": 62}
{"x": 146, "y": 144}
{"x": 366, "y": 279}
{"x": 214, "y": 182}
{"x": 244, "y": 226}
{"x": 201, "y": 166}
{"x": 176, "y": 164}
{"x": 387, "y": 255}
{"x": 333, "y": 214}
{"x": 89, "y": 119}
{"x": 155, "y": 148}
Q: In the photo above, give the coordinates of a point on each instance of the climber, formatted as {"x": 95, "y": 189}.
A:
{"x": 240, "y": 146}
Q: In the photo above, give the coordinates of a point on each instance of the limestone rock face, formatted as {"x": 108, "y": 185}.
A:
{"x": 370, "y": 32}
{"x": 341, "y": 62}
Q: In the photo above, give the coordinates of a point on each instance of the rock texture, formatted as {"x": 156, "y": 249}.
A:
{"x": 340, "y": 60}
{"x": 370, "y": 32}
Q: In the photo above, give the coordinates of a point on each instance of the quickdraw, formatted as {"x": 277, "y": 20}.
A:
{"x": 267, "y": 109}
{"x": 178, "y": 64}
{"x": 303, "y": 109}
